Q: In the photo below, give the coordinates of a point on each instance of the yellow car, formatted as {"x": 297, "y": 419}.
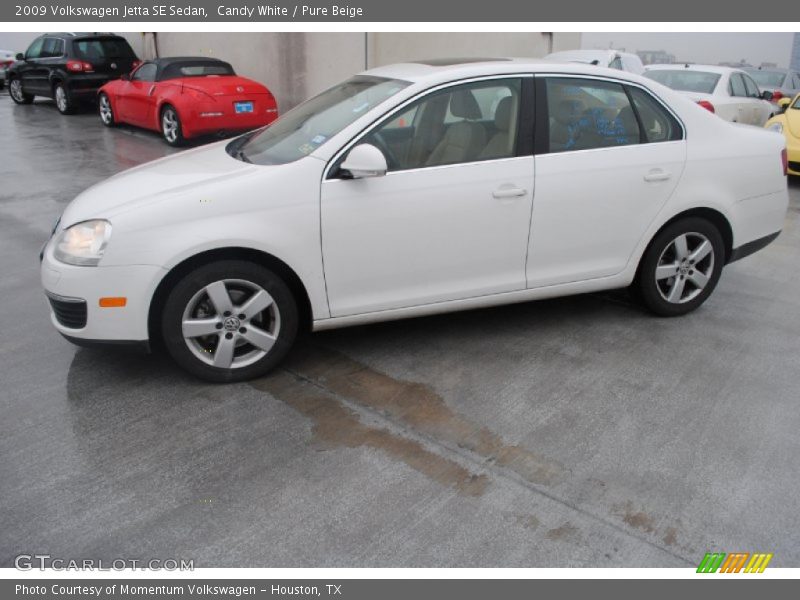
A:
{"x": 788, "y": 123}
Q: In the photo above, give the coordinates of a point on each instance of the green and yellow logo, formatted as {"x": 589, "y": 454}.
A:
{"x": 714, "y": 562}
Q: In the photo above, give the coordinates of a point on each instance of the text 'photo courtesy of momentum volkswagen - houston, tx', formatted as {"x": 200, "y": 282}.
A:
{"x": 414, "y": 189}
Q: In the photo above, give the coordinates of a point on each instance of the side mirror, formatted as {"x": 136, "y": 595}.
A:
{"x": 766, "y": 95}
{"x": 20, "y": 56}
{"x": 784, "y": 103}
{"x": 365, "y": 160}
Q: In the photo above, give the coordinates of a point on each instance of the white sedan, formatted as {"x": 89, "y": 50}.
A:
{"x": 730, "y": 93}
{"x": 409, "y": 190}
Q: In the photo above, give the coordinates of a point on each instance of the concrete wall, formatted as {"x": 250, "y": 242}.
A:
{"x": 296, "y": 66}
{"x": 387, "y": 48}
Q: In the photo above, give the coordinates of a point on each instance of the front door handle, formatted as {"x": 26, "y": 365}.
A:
{"x": 657, "y": 175}
{"x": 509, "y": 192}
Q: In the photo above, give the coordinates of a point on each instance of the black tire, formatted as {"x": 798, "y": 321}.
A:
{"x": 242, "y": 280}
{"x": 655, "y": 294}
{"x": 170, "y": 113}
{"x": 16, "y": 93}
{"x": 106, "y": 111}
{"x": 64, "y": 104}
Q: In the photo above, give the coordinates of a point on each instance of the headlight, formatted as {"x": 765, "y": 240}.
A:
{"x": 83, "y": 244}
{"x": 776, "y": 127}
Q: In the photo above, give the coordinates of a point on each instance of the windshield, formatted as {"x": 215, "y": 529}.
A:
{"x": 306, "y": 127}
{"x": 685, "y": 81}
{"x": 796, "y": 102}
{"x": 768, "y": 79}
{"x": 100, "y": 48}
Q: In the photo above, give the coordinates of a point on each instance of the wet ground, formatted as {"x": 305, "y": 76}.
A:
{"x": 572, "y": 432}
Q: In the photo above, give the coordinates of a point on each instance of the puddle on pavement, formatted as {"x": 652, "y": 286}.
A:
{"x": 318, "y": 376}
{"x": 336, "y": 425}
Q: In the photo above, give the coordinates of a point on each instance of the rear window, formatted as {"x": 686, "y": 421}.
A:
{"x": 768, "y": 79}
{"x": 196, "y": 69}
{"x": 100, "y": 48}
{"x": 685, "y": 80}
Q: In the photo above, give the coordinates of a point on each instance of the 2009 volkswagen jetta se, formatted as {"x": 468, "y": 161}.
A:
{"x": 415, "y": 189}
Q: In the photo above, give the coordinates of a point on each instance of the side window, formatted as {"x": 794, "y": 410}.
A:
{"x": 751, "y": 87}
{"x": 52, "y": 47}
{"x": 459, "y": 124}
{"x": 147, "y": 72}
{"x": 35, "y": 49}
{"x": 658, "y": 124}
{"x": 586, "y": 114}
{"x": 736, "y": 86}
{"x": 616, "y": 64}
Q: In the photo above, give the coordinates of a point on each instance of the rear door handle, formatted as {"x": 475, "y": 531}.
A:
{"x": 509, "y": 192}
{"x": 657, "y": 175}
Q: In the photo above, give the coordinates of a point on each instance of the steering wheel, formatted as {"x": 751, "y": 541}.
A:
{"x": 377, "y": 140}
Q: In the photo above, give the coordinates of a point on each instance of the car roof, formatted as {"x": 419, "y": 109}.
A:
{"x": 442, "y": 71}
{"x": 84, "y": 34}
{"x": 693, "y": 67}
{"x": 766, "y": 69}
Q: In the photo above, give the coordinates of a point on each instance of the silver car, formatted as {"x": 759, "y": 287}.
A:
{"x": 781, "y": 83}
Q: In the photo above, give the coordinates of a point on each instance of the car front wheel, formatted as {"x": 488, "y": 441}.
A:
{"x": 681, "y": 267}
{"x": 171, "y": 126}
{"x": 229, "y": 321}
{"x": 106, "y": 112}
{"x": 17, "y": 94}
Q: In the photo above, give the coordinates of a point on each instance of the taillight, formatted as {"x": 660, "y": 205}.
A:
{"x": 785, "y": 162}
{"x": 707, "y": 105}
{"x": 78, "y": 66}
{"x": 777, "y": 95}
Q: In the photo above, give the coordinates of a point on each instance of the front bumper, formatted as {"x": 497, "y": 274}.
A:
{"x": 68, "y": 286}
{"x": 793, "y": 153}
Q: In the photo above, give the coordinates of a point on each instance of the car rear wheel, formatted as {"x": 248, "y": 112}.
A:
{"x": 106, "y": 112}
{"x": 63, "y": 101}
{"x": 171, "y": 126}
{"x": 681, "y": 267}
{"x": 16, "y": 93}
{"x": 229, "y": 321}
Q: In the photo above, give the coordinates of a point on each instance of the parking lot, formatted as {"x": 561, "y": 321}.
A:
{"x": 572, "y": 432}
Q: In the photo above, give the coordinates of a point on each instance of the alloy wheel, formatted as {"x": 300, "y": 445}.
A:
{"x": 169, "y": 124}
{"x": 15, "y": 89}
{"x": 105, "y": 110}
{"x": 231, "y": 323}
{"x": 61, "y": 98}
{"x": 685, "y": 267}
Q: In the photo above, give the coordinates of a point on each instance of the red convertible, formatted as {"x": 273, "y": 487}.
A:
{"x": 185, "y": 97}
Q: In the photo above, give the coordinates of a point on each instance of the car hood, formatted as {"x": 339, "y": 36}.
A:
{"x": 156, "y": 181}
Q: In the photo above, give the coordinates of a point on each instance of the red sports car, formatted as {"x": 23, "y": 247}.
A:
{"x": 185, "y": 97}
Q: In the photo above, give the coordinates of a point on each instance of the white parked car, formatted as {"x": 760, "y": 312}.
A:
{"x": 730, "y": 93}
{"x": 613, "y": 59}
{"x": 409, "y": 190}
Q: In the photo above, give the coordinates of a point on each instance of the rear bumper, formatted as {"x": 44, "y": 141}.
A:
{"x": 755, "y": 219}
{"x": 752, "y": 247}
{"x": 199, "y": 125}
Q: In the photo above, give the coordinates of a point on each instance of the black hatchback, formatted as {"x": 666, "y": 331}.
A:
{"x": 69, "y": 67}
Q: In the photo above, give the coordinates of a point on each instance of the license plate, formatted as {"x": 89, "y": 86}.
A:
{"x": 243, "y": 107}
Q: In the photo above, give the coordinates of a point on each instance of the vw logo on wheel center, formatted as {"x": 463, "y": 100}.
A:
{"x": 231, "y": 324}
